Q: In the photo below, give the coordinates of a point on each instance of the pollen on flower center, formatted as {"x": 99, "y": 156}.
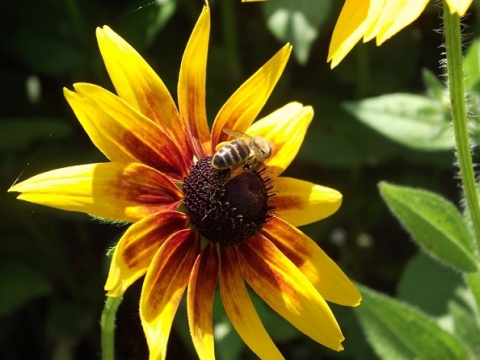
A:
{"x": 227, "y": 210}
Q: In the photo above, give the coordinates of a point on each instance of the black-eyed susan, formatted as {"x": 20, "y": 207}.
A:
{"x": 192, "y": 224}
{"x": 380, "y": 19}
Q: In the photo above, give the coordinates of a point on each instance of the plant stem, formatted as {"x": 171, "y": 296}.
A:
{"x": 453, "y": 44}
{"x": 109, "y": 314}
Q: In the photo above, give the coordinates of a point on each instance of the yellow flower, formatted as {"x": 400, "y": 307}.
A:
{"x": 380, "y": 19}
{"x": 233, "y": 229}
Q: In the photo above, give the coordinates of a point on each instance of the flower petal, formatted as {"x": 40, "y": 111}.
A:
{"x": 138, "y": 245}
{"x": 287, "y": 291}
{"x": 285, "y": 128}
{"x": 323, "y": 273}
{"x": 459, "y": 6}
{"x": 349, "y": 29}
{"x": 137, "y": 84}
{"x": 240, "y": 309}
{"x": 373, "y": 19}
{"x": 201, "y": 288}
{"x": 163, "y": 288}
{"x": 301, "y": 202}
{"x": 191, "y": 85}
{"x": 396, "y": 15}
{"x": 244, "y": 105}
{"x": 123, "y": 134}
{"x": 124, "y": 192}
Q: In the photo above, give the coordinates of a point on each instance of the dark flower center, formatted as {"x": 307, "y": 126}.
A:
{"x": 227, "y": 210}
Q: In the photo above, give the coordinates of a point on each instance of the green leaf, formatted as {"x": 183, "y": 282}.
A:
{"x": 420, "y": 273}
{"x": 471, "y": 66}
{"x": 398, "y": 331}
{"x": 434, "y": 223}
{"x": 473, "y": 280}
{"x": 297, "y": 22}
{"x": 466, "y": 326}
{"x": 18, "y": 285}
{"x": 415, "y": 121}
{"x": 22, "y": 132}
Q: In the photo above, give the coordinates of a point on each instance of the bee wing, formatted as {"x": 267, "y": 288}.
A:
{"x": 235, "y": 133}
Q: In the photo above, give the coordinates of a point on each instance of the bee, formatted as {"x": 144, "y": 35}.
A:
{"x": 244, "y": 149}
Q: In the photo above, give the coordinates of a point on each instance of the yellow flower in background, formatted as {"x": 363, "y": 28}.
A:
{"x": 380, "y": 19}
{"x": 194, "y": 225}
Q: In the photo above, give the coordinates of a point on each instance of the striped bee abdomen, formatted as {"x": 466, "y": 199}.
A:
{"x": 231, "y": 155}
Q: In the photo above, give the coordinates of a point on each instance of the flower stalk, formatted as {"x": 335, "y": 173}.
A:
{"x": 107, "y": 323}
{"x": 453, "y": 44}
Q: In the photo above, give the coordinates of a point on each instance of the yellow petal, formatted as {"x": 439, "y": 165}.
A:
{"x": 124, "y": 192}
{"x": 191, "y": 85}
{"x": 287, "y": 291}
{"x": 323, "y": 273}
{"x": 240, "y": 309}
{"x": 349, "y": 29}
{"x": 244, "y": 105}
{"x": 122, "y": 133}
{"x": 201, "y": 288}
{"x": 137, "y": 84}
{"x": 136, "y": 248}
{"x": 374, "y": 19}
{"x": 163, "y": 288}
{"x": 301, "y": 202}
{"x": 285, "y": 129}
{"x": 396, "y": 15}
{"x": 459, "y": 6}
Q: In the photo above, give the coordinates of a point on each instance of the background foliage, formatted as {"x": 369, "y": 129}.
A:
{"x": 380, "y": 116}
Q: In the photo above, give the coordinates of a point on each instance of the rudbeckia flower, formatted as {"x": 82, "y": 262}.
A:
{"x": 194, "y": 225}
{"x": 380, "y": 19}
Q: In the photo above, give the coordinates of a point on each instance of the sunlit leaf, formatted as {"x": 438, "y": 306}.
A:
{"x": 434, "y": 223}
{"x": 415, "y": 121}
{"x": 398, "y": 331}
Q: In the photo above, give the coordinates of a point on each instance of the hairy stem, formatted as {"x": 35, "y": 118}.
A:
{"x": 107, "y": 323}
{"x": 453, "y": 44}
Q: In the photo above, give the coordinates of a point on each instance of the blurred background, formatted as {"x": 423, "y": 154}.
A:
{"x": 53, "y": 263}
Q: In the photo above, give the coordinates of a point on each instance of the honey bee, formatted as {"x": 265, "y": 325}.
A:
{"x": 244, "y": 149}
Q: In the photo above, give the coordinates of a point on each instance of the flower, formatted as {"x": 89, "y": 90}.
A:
{"x": 380, "y": 19}
{"x": 160, "y": 163}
